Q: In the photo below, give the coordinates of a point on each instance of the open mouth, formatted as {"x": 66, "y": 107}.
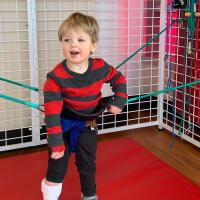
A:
{"x": 74, "y": 53}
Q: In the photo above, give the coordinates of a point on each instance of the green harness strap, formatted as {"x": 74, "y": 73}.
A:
{"x": 122, "y": 63}
{"x": 164, "y": 91}
{"x": 146, "y": 44}
{"x": 27, "y": 103}
{"x": 36, "y": 89}
{"x": 19, "y": 84}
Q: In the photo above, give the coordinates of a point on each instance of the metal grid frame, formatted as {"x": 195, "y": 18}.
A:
{"x": 189, "y": 128}
{"x": 15, "y": 120}
{"x": 127, "y": 19}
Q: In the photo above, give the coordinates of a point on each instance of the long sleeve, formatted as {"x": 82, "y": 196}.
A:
{"x": 81, "y": 92}
{"x": 118, "y": 84}
{"x": 53, "y": 104}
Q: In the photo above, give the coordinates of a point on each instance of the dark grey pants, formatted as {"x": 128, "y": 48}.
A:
{"x": 85, "y": 161}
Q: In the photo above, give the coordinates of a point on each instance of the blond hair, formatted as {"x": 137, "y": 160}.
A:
{"x": 79, "y": 21}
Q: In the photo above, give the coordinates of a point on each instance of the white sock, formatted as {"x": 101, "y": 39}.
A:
{"x": 50, "y": 192}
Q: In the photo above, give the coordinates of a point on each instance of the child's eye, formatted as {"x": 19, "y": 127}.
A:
{"x": 66, "y": 40}
{"x": 81, "y": 40}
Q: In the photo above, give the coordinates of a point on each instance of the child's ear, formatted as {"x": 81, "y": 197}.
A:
{"x": 93, "y": 48}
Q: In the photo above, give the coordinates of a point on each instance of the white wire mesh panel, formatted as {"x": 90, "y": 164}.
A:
{"x": 124, "y": 29}
{"x": 144, "y": 23}
{"x": 125, "y": 26}
{"x": 113, "y": 20}
{"x": 15, "y": 119}
{"x": 181, "y": 111}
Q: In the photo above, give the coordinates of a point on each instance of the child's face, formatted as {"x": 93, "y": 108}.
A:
{"x": 77, "y": 47}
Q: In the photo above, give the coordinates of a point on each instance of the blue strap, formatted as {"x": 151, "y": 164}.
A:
{"x": 74, "y": 127}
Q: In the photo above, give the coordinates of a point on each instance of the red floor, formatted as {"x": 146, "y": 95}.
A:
{"x": 125, "y": 170}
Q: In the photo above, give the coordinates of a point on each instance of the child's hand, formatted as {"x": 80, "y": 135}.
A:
{"x": 57, "y": 155}
{"x": 114, "y": 109}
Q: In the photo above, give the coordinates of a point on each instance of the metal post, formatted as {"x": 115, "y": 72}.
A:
{"x": 161, "y": 62}
{"x": 33, "y": 57}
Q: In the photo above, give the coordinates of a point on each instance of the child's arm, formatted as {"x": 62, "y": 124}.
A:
{"x": 118, "y": 85}
{"x": 52, "y": 109}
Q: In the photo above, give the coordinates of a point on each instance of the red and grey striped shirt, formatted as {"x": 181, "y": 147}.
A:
{"x": 81, "y": 92}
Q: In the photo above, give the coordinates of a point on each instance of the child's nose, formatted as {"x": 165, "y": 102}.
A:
{"x": 73, "y": 43}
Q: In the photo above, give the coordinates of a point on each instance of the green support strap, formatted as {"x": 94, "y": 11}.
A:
{"x": 164, "y": 91}
{"x": 122, "y": 63}
{"x": 20, "y": 84}
{"x": 36, "y": 89}
{"x": 27, "y": 103}
{"x": 145, "y": 45}
{"x": 128, "y": 101}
